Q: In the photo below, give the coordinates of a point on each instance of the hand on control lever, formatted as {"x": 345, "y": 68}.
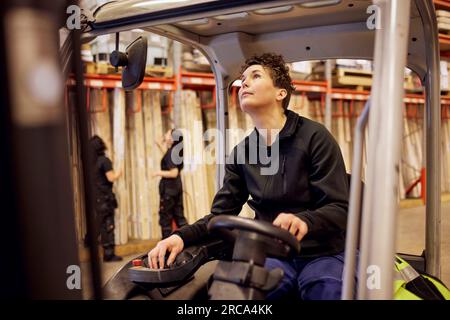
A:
{"x": 173, "y": 244}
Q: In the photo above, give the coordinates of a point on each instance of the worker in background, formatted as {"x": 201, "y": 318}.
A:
{"x": 170, "y": 186}
{"x": 307, "y": 194}
{"x": 105, "y": 200}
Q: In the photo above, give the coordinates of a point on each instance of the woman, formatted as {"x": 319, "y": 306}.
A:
{"x": 170, "y": 187}
{"x": 305, "y": 194}
{"x": 105, "y": 200}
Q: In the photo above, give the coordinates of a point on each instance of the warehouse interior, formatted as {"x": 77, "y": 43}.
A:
{"x": 179, "y": 91}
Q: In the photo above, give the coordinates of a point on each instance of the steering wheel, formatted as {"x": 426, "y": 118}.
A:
{"x": 287, "y": 242}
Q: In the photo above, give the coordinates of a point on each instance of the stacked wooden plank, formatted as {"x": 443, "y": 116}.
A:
{"x": 120, "y": 186}
{"x": 300, "y": 104}
{"x": 153, "y": 155}
{"x": 343, "y": 126}
{"x": 132, "y": 122}
{"x": 100, "y": 118}
{"x": 411, "y": 159}
{"x": 341, "y": 130}
{"x": 194, "y": 175}
{"x": 130, "y": 176}
{"x": 141, "y": 214}
{"x": 443, "y": 21}
{"x": 239, "y": 125}
{"x": 136, "y": 124}
{"x": 143, "y": 158}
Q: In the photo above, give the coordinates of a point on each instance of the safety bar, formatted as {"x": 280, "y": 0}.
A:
{"x": 354, "y": 212}
{"x": 380, "y": 207}
{"x": 432, "y": 123}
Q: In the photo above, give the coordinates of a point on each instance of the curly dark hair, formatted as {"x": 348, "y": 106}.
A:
{"x": 97, "y": 145}
{"x": 279, "y": 72}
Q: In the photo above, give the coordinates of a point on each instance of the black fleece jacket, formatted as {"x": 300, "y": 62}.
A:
{"x": 310, "y": 181}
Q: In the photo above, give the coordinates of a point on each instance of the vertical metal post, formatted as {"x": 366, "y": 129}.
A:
{"x": 432, "y": 123}
{"x": 177, "y": 96}
{"x": 328, "y": 112}
{"x": 354, "y": 211}
{"x": 82, "y": 120}
{"x": 222, "y": 125}
{"x": 385, "y": 135}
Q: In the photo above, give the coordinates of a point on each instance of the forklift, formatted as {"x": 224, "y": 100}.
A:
{"x": 226, "y": 32}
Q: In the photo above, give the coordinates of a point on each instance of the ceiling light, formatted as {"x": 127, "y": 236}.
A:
{"x": 274, "y": 10}
{"x": 232, "y": 16}
{"x": 194, "y": 22}
{"x": 155, "y": 2}
{"x": 319, "y": 3}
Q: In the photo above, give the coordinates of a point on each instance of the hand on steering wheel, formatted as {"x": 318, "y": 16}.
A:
{"x": 291, "y": 223}
{"x": 286, "y": 241}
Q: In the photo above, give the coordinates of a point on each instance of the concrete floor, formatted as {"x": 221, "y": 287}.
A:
{"x": 411, "y": 235}
{"x": 109, "y": 269}
{"x": 410, "y": 239}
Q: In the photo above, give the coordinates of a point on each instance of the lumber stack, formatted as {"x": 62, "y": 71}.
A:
{"x": 300, "y": 104}
{"x": 352, "y": 77}
{"x": 133, "y": 119}
{"x": 443, "y": 21}
{"x": 341, "y": 126}
{"x": 100, "y": 118}
{"x": 120, "y": 187}
{"x": 131, "y": 122}
{"x": 144, "y": 127}
{"x": 194, "y": 175}
{"x": 153, "y": 130}
{"x": 340, "y": 129}
{"x": 142, "y": 213}
{"x": 411, "y": 159}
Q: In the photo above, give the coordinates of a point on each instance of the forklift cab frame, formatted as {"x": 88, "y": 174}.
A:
{"x": 228, "y": 32}
{"x": 405, "y": 35}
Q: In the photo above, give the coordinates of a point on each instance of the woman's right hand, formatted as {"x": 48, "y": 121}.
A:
{"x": 173, "y": 244}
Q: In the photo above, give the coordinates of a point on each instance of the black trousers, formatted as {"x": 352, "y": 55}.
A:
{"x": 105, "y": 217}
{"x": 171, "y": 208}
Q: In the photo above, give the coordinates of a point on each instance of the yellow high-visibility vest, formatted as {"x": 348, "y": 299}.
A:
{"x": 411, "y": 285}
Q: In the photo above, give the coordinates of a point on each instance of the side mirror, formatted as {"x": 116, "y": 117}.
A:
{"x": 133, "y": 62}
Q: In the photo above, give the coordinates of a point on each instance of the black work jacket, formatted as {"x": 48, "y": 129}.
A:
{"x": 310, "y": 182}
